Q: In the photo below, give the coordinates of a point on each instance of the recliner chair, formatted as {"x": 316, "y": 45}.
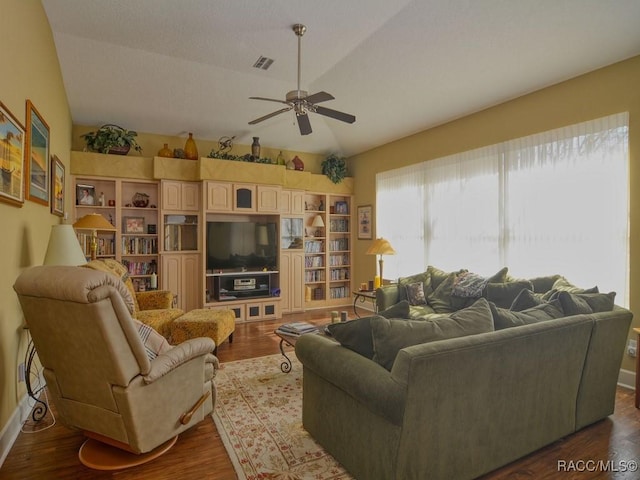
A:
{"x": 99, "y": 374}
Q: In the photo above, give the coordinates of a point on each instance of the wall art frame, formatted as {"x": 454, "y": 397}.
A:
{"x": 58, "y": 178}
{"x": 12, "y": 140}
{"x": 365, "y": 222}
{"x": 37, "y": 173}
{"x": 133, "y": 225}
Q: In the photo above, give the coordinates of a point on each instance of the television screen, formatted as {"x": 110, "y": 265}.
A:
{"x": 241, "y": 245}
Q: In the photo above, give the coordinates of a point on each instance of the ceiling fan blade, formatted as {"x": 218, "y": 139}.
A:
{"x": 303, "y": 123}
{"x": 327, "y": 112}
{"x": 269, "y": 100}
{"x": 272, "y": 114}
{"x": 319, "y": 97}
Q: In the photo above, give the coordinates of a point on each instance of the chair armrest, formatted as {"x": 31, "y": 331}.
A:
{"x": 155, "y": 299}
{"x": 178, "y": 355}
{"x": 387, "y": 296}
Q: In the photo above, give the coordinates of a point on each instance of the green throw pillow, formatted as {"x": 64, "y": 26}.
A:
{"x": 503, "y": 294}
{"x": 390, "y": 336}
{"x": 354, "y": 335}
{"x": 503, "y": 318}
{"x": 404, "y": 281}
{"x": 398, "y": 310}
{"x": 440, "y": 298}
{"x": 525, "y": 299}
{"x": 578, "y": 303}
{"x": 543, "y": 284}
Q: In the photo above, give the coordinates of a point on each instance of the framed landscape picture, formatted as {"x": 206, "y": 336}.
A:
{"x": 133, "y": 225}
{"x": 365, "y": 219}
{"x": 57, "y": 186}
{"x": 12, "y": 158}
{"x": 37, "y": 157}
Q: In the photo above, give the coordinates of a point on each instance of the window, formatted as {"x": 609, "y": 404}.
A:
{"x": 555, "y": 202}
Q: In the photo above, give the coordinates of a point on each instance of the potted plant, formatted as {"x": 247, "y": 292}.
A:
{"x": 334, "y": 167}
{"x": 112, "y": 139}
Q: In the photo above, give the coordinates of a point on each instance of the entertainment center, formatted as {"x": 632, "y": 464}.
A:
{"x": 223, "y": 242}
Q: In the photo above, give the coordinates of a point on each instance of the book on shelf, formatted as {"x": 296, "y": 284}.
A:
{"x": 297, "y": 328}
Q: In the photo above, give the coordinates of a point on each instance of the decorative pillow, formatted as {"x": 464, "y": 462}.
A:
{"x": 503, "y": 318}
{"x": 503, "y": 294}
{"x": 390, "y": 336}
{"x": 564, "y": 285}
{"x": 543, "y": 284}
{"x": 354, "y": 335}
{"x": 440, "y": 298}
{"x": 404, "y": 281}
{"x": 120, "y": 271}
{"x": 469, "y": 285}
{"x": 154, "y": 343}
{"x": 415, "y": 294}
{"x": 577, "y": 303}
{"x": 525, "y": 299}
{"x": 399, "y": 310}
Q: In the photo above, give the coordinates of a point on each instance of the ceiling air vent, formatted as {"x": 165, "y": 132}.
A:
{"x": 263, "y": 63}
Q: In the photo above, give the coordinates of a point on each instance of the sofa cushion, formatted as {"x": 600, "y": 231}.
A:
{"x": 415, "y": 294}
{"x": 564, "y": 285}
{"x": 503, "y": 318}
{"x": 354, "y": 335}
{"x": 391, "y": 335}
{"x": 398, "y": 310}
{"x": 543, "y": 284}
{"x": 503, "y": 294}
{"x": 524, "y": 300}
{"x": 404, "y": 281}
{"x": 440, "y": 298}
{"x": 577, "y": 303}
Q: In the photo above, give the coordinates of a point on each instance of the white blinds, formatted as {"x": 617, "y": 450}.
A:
{"x": 555, "y": 202}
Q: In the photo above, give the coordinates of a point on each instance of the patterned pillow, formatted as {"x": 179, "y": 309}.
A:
{"x": 154, "y": 343}
{"x": 415, "y": 294}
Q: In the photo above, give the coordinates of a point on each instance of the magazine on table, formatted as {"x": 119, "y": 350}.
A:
{"x": 297, "y": 328}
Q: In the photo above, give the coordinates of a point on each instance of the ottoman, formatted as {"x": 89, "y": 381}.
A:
{"x": 215, "y": 324}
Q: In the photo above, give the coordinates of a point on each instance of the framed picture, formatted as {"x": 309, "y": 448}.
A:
{"x": 365, "y": 222}
{"x": 85, "y": 194}
{"x": 12, "y": 158}
{"x": 133, "y": 225}
{"x": 37, "y": 157}
{"x": 342, "y": 208}
{"x": 57, "y": 186}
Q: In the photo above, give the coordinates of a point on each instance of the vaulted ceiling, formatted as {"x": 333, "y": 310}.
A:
{"x": 171, "y": 67}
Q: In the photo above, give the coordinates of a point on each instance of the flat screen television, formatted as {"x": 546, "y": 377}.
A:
{"x": 241, "y": 245}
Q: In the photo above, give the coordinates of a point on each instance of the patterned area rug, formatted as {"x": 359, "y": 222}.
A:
{"x": 259, "y": 417}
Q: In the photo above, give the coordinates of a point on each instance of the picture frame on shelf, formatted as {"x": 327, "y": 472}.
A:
{"x": 57, "y": 186}
{"x": 12, "y": 141}
{"x": 133, "y": 225}
{"x": 365, "y": 222}
{"x": 37, "y": 157}
{"x": 85, "y": 194}
{"x": 341, "y": 208}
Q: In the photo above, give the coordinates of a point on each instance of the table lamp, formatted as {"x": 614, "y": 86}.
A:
{"x": 63, "y": 247}
{"x": 381, "y": 247}
{"x": 318, "y": 223}
{"x": 94, "y": 222}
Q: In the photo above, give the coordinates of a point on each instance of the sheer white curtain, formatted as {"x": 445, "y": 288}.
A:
{"x": 556, "y": 202}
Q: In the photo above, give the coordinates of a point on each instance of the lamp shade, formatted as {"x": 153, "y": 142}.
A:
{"x": 64, "y": 248}
{"x": 380, "y": 246}
{"x": 93, "y": 221}
{"x": 317, "y": 221}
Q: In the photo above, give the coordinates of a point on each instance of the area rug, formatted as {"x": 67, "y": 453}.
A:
{"x": 258, "y": 414}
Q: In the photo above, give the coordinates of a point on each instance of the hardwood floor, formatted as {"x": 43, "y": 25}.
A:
{"x": 200, "y": 454}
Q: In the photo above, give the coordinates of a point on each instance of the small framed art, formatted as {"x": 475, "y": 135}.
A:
{"x": 133, "y": 225}
{"x": 365, "y": 225}
{"x": 57, "y": 186}
{"x": 85, "y": 194}
{"x": 37, "y": 157}
{"x": 11, "y": 158}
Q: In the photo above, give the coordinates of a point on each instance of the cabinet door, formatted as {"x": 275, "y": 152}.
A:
{"x": 285, "y": 201}
{"x": 170, "y": 275}
{"x": 296, "y": 282}
{"x": 268, "y": 198}
{"x": 171, "y": 195}
{"x": 285, "y": 282}
{"x": 190, "y": 196}
{"x": 219, "y": 197}
{"x": 297, "y": 202}
{"x": 190, "y": 284}
{"x": 244, "y": 198}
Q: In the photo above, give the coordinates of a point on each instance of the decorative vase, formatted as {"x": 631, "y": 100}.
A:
{"x": 297, "y": 163}
{"x": 165, "y": 151}
{"x": 255, "y": 148}
{"x": 190, "y": 148}
{"x": 280, "y": 159}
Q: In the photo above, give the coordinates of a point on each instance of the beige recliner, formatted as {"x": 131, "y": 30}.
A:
{"x": 102, "y": 377}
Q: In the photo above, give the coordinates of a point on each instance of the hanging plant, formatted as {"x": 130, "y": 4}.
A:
{"x": 334, "y": 167}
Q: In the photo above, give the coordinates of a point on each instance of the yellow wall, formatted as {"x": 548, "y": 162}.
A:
{"x": 30, "y": 69}
{"x": 603, "y": 92}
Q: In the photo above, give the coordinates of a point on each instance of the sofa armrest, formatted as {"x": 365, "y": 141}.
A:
{"x": 155, "y": 299}
{"x": 361, "y": 378}
{"x": 387, "y": 296}
{"x": 179, "y": 355}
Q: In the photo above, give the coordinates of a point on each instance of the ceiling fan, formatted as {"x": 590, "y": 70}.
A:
{"x": 302, "y": 103}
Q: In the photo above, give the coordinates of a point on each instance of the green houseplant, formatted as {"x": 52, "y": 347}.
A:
{"x": 334, "y": 167}
{"x": 112, "y": 139}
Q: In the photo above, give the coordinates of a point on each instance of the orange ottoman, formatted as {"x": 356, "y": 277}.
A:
{"x": 218, "y": 325}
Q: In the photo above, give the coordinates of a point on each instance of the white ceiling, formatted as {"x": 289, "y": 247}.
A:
{"x": 175, "y": 66}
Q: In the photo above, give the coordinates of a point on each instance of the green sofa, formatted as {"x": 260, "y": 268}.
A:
{"x": 461, "y": 407}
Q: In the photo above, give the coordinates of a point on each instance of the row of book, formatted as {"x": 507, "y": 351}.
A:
{"x": 339, "y": 225}
{"x": 339, "y": 292}
{"x": 339, "y": 244}
{"x": 338, "y": 260}
{"x": 139, "y": 245}
{"x": 313, "y": 262}
{"x": 313, "y": 246}
{"x": 140, "y": 268}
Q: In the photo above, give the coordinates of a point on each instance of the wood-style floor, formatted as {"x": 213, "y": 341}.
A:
{"x": 200, "y": 454}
